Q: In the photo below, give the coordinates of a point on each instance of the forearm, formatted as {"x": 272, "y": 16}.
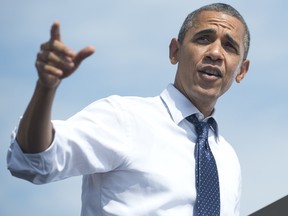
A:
{"x": 35, "y": 132}
{"x": 55, "y": 61}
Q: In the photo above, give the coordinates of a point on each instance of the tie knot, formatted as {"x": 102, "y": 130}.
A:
{"x": 201, "y": 127}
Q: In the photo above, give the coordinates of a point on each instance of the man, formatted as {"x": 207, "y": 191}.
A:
{"x": 137, "y": 155}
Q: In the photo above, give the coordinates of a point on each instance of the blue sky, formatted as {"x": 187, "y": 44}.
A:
{"x": 131, "y": 40}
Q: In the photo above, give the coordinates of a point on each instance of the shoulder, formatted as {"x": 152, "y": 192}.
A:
{"x": 116, "y": 103}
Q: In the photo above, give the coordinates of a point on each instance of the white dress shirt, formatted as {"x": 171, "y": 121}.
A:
{"x": 136, "y": 156}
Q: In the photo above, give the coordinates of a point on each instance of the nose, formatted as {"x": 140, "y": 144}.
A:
{"x": 215, "y": 52}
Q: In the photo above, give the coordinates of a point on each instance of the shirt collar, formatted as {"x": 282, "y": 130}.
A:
{"x": 179, "y": 107}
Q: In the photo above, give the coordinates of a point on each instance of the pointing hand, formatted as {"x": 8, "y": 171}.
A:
{"x": 56, "y": 61}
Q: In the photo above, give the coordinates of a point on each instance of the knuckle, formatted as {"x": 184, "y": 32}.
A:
{"x": 43, "y": 46}
{"x": 38, "y": 55}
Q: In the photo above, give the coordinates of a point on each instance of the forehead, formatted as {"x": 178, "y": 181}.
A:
{"x": 220, "y": 22}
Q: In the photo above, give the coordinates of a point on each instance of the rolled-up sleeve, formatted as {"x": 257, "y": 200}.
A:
{"x": 92, "y": 141}
{"x": 31, "y": 167}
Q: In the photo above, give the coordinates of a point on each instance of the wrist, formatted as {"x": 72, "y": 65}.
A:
{"x": 46, "y": 87}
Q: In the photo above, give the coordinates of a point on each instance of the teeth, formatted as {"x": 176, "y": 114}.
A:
{"x": 211, "y": 72}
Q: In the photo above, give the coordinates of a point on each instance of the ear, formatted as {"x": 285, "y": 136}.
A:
{"x": 173, "y": 51}
{"x": 243, "y": 70}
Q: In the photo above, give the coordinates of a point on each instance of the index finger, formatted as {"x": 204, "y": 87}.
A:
{"x": 55, "y": 32}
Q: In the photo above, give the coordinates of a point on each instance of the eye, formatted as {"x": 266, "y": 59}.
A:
{"x": 204, "y": 39}
{"x": 231, "y": 48}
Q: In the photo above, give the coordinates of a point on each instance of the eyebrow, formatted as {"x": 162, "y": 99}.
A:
{"x": 205, "y": 31}
{"x": 213, "y": 31}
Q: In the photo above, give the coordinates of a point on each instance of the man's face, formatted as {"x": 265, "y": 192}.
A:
{"x": 210, "y": 57}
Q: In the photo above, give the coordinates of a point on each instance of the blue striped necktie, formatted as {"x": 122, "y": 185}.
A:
{"x": 207, "y": 182}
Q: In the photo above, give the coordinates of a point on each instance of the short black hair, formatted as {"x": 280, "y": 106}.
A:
{"x": 218, "y": 7}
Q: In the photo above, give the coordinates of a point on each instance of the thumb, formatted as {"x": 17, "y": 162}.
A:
{"x": 82, "y": 54}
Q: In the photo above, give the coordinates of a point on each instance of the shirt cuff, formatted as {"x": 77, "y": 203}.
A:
{"x": 29, "y": 166}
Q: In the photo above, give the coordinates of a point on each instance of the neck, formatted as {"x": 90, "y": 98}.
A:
{"x": 203, "y": 103}
{"x": 205, "y": 108}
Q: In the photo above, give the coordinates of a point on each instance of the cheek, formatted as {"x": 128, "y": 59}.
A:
{"x": 230, "y": 77}
{"x": 228, "y": 84}
{"x": 186, "y": 65}
{"x": 191, "y": 54}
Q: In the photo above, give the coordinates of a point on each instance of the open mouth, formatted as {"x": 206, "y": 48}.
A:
{"x": 211, "y": 71}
